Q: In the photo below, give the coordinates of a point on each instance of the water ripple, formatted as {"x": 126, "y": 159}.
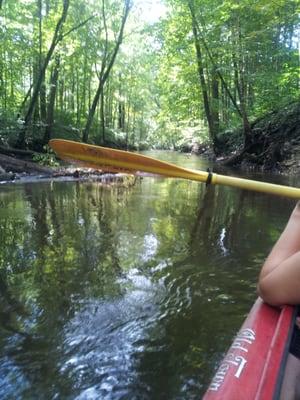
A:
{"x": 104, "y": 338}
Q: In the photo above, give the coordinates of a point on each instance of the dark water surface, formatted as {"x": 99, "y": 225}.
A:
{"x": 115, "y": 293}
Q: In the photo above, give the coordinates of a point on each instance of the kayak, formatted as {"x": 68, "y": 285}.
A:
{"x": 253, "y": 367}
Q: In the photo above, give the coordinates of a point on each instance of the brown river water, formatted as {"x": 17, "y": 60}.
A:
{"x": 127, "y": 293}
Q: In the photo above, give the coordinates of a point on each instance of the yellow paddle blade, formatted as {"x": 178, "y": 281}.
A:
{"x": 119, "y": 161}
{"x": 107, "y": 159}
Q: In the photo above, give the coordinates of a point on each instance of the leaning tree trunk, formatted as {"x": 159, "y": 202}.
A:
{"x": 105, "y": 71}
{"x": 55, "y": 40}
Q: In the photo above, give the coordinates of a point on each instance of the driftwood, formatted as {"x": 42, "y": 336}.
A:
{"x": 15, "y": 165}
{"x": 17, "y": 152}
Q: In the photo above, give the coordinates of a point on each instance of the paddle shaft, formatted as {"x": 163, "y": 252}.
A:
{"x": 123, "y": 161}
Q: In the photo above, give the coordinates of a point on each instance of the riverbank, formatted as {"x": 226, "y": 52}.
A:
{"x": 274, "y": 144}
{"x": 14, "y": 170}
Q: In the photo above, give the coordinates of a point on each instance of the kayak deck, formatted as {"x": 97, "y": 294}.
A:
{"x": 253, "y": 367}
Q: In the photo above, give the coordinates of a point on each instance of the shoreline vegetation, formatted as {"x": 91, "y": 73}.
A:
{"x": 275, "y": 146}
{"x": 217, "y": 78}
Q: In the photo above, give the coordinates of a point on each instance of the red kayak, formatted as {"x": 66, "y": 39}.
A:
{"x": 253, "y": 367}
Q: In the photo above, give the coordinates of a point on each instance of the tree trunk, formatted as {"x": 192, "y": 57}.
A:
{"x": 35, "y": 77}
{"x": 83, "y": 108}
{"x": 105, "y": 71}
{"x": 215, "y": 100}
{"x": 217, "y": 70}
{"x": 102, "y": 117}
{"x": 239, "y": 78}
{"x": 72, "y": 105}
{"x": 42, "y": 110}
{"x": 52, "y": 94}
{"x": 61, "y": 87}
{"x": 240, "y": 93}
{"x": 90, "y": 118}
{"x": 121, "y": 116}
{"x": 109, "y": 105}
{"x": 78, "y": 100}
{"x": 55, "y": 40}
{"x": 207, "y": 109}
{"x": 43, "y": 102}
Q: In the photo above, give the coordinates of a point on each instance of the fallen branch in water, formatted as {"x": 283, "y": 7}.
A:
{"x": 15, "y": 165}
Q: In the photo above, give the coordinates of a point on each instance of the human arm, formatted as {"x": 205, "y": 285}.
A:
{"x": 279, "y": 280}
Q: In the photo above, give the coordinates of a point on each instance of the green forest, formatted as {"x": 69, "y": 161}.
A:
{"x": 104, "y": 72}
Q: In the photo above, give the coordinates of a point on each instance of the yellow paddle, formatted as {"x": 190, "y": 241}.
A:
{"x": 124, "y": 161}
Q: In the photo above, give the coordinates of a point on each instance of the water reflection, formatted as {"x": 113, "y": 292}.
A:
{"x": 118, "y": 293}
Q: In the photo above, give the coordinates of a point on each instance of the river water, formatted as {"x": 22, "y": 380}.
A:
{"x": 127, "y": 293}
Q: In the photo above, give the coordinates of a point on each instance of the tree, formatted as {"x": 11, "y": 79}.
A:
{"x": 234, "y": 66}
{"x": 193, "y": 75}
{"x": 50, "y": 108}
{"x": 212, "y": 116}
{"x": 106, "y": 66}
{"x": 212, "y": 126}
{"x": 57, "y": 37}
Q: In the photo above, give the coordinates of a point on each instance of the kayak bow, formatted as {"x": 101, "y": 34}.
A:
{"x": 254, "y": 365}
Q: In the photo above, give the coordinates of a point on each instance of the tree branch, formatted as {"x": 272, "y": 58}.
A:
{"x": 76, "y": 27}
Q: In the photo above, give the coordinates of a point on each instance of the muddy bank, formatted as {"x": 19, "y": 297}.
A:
{"x": 274, "y": 146}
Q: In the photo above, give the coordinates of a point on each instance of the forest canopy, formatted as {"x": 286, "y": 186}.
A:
{"x": 102, "y": 72}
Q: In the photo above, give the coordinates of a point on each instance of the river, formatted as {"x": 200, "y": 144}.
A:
{"x": 127, "y": 293}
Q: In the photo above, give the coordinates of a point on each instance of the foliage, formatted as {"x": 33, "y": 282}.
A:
{"x": 47, "y": 158}
{"x": 153, "y": 93}
{"x": 252, "y": 44}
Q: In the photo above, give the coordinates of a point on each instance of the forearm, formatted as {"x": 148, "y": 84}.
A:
{"x": 282, "y": 284}
{"x": 279, "y": 280}
{"x": 287, "y": 244}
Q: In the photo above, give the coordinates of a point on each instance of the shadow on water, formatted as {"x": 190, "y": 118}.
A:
{"x": 117, "y": 293}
